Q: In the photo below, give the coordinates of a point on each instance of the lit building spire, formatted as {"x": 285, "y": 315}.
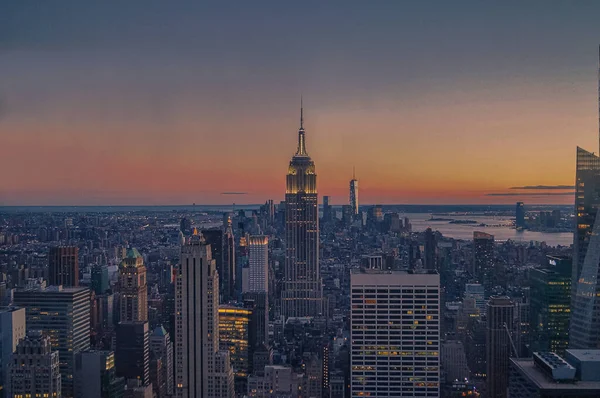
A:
{"x": 301, "y": 143}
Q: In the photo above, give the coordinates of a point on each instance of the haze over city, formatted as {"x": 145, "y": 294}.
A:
{"x": 149, "y": 103}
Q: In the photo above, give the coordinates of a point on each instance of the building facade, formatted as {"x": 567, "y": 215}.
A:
{"x": 133, "y": 287}
{"x": 63, "y": 314}
{"x": 500, "y": 329}
{"x": 585, "y": 309}
{"x": 12, "y": 330}
{"x": 258, "y": 263}
{"x": 201, "y": 369}
{"x": 161, "y": 349}
{"x": 63, "y": 264}
{"x": 132, "y": 356}
{"x": 237, "y": 335}
{"x": 354, "y": 194}
{"x": 387, "y": 358}
{"x": 34, "y": 368}
{"x": 302, "y": 293}
{"x": 95, "y": 375}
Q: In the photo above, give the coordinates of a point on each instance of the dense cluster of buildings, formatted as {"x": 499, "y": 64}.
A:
{"x": 293, "y": 300}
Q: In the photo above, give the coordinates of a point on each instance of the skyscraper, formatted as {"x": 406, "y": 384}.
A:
{"x": 395, "y": 334}
{"x": 483, "y": 259}
{"x": 12, "y": 330}
{"x": 354, "y": 193}
{"x": 133, "y": 287}
{"x": 237, "y": 335}
{"x": 215, "y": 238}
{"x": 95, "y": 375}
{"x": 161, "y": 349}
{"x": 228, "y": 275}
{"x": 302, "y": 293}
{"x": 520, "y": 215}
{"x": 132, "y": 356}
{"x": 258, "y": 261}
{"x": 99, "y": 278}
{"x": 430, "y": 250}
{"x": 201, "y": 369}
{"x": 34, "y": 368}
{"x": 63, "y": 314}
{"x": 327, "y": 215}
{"x": 585, "y": 311}
{"x": 550, "y": 305}
{"x": 63, "y": 262}
{"x": 500, "y": 328}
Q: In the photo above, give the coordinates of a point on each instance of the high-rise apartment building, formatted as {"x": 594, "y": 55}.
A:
{"x": 63, "y": 262}
{"x": 585, "y": 309}
{"x": 499, "y": 344}
{"x": 99, "y": 279}
{"x": 430, "y": 249}
{"x": 12, "y": 330}
{"x": 237, "y": 335}
{"x": 354, "y": 194}
{"x": 258, "y": 263}
{"x": 95, "y": 375}
{"x": 161, "y": 349}
{"x": 302, "y": 293}
{"x": 550, "y": 305}
{"x": 202, "y": 370}
{"x": 132, "y": 356}
{"x": 34, "y": 368}
{"x": 133, "y": 288}
{"x": 520, "y": 215}
{"x": 63, "y": 314}
{"x": 483, "y": 259}
{"x": 395, "y": 334}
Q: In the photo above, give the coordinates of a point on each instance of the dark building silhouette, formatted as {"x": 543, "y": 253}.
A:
{"x": 100, "y": 282}
{"x": 483, "y": 259}
{"x": 500, "y": 328}
{"x": 132, "y": 356}
{"x": 520, "y": 215}
{"x": 430, "y": 250}
{"x": 63, "y": 264}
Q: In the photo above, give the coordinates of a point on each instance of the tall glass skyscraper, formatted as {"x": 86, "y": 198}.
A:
{"x": 302, "y": 293}
{"x": 585, "y": 312}
{"x": 354, "y": 193}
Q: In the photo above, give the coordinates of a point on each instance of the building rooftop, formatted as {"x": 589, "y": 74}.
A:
{"x": 159, "y": 331}
{"x": 585, "y": 355}
{"x": 543, "y": 382}
{"x": 132, "y": 252}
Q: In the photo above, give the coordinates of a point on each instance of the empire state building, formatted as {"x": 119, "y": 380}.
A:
{"x": 302, "y": 293}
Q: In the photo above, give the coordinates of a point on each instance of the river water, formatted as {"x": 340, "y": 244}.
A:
{"x": 500, "y": 227}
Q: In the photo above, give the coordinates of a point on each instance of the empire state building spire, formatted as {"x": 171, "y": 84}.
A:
{"x": 301, "y": 140}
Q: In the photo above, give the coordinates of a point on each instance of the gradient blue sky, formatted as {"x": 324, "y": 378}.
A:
{"x": 154, "y": 102}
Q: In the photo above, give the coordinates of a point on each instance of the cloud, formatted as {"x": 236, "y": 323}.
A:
{"x": 545, "y": 187}
{"x": 234, "y": 193}
{"x": 532, "y": 194}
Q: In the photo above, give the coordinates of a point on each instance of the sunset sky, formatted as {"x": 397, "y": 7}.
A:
{"x": 157, "y": 102}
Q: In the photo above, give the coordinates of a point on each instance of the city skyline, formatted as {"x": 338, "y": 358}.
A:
{"x": 97, "y": 116}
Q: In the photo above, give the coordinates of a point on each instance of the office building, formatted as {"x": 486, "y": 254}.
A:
{"x": 215, "y": 238}
{"x": 228, "y": 275}
{"x": 585, "y": 309}
{"x": 454, "y": 360}
{"x": 549, "y": 375}
{"x": 12, "y": 330}
{"x": 347, "y": 215}
{"x": 34, "y": 368}
{"x": 161, "y": 349}
{"x": 95, "y": 375}
{"x": 133, "y": 288}
{"x": 476, "y": 292}
{"x": 430, "y": 250}
{"x": 387, "y": 358}
{"x": 302, "y": 293}
{"x": 499, "y": 344}
{"x": 63, "y": 314}
{"x": 132, "y": 356}
{"x": 201, "y": 369}
{"x": 237, "y": 335}
{"x": 354, "y": 194}
{"x": 550, "y": 305}
{"x": 258, "y": 263}
{"x": 63, "y": 263}
{"x": 99, "y": 279}
{"x": 520, "y": 216}
{"x": 327, "y": 210}
{"x": 275, "y": 381}
{"x": 483, "y": 260}
{"x": 261, "y": 315}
